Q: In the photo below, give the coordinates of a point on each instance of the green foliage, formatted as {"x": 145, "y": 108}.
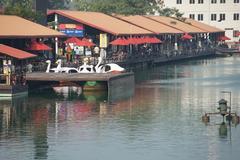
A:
{"x": 126, "y": 7}
{"x": 21, "y": 8}
{"x": 58, "y": 4}
{"x": 170, "y": 12}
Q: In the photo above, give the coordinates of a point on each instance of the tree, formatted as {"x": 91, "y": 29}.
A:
{"x": 126, "y": 7}
{"x": 170, "y": 12}
{"x": 21, "y": 8}
{"x": 59, "y": 4}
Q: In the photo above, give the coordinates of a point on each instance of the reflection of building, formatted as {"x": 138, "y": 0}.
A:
{"x": 220, "y": 13}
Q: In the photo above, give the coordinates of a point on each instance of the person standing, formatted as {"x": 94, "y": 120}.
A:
{"x": 96, "y": 50}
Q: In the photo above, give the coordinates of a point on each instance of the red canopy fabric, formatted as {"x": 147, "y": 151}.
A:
{"x": 152, "y": 40}
{"x": 72, "y": 40}
{"x": 134, "y": 40}
{"x": 38, "y": 46}
{"x": 84, "y": 42}
{"x": 16, "y": 53}
{"x": 186, "y": 36}
{"x": 224, "y": 38}
{"x": 156, "y": 40}
{"x": 120, "y": 42}
{"x": 238, "y": 34}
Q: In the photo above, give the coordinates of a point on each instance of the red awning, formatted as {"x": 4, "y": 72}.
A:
{"x": 132, "y": 40}
{"x": 39, "y": 46}
{"x": 73, "y": 40}
{"x": 186, "y": 36}
{"x": 120, "y": 42}
{"x": 152, "y": 40}
{"x": 78, "y": 42}
{"x": 238, "y": 34}
{"x": 156, "y": 40}
{"x": 135, "y": 40}
{"x": 16, "y": 53}
{"x": 224, "y": 38}
{"x": 85, "y": 42}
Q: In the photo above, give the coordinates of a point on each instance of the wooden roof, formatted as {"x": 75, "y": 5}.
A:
{"x": 17, "y": 27}
{"x": 16, "y": 53}
{"x": 150, "y": 24}
{"x": 177, "y": 24}
{"x": 103, "y": 22}
{"x": 203, "y": 26}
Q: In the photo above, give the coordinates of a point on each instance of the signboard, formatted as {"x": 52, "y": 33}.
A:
{"x": 103, "y": 40}
{"x": 73, "y": 30}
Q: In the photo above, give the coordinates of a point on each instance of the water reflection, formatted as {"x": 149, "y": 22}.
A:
{"x": 18, "y": 120}
{"x": 162, "y": 119}
{"x": 223, "y": 131}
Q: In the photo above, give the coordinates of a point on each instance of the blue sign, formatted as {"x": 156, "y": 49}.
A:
{"x": 73, "y": 32}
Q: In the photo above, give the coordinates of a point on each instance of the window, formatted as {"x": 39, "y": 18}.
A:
{"x": 192, "y": 1}
{"x": 200, "y": 17}
{"x": 236, "y": 1}
{"x": 200, "y": 1}
{"x": 213, "y": 17}
{"x": 236, "y": 16}
{"x": 222, "y": 17}
{"x": 222, "y": 1}
{"x": 192, "y": 16}
{"x": 179, "y": 1}
{"x": 213, "y": 1}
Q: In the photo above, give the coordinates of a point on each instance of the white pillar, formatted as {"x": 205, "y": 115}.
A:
{"x": 56, "y": 27}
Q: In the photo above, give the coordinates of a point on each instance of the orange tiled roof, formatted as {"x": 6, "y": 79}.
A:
{"x": 203, "y": 26}
{"x": 149, "y": 24}
{"x": 103, "y": 22}
{"x": 17, "y": 27}
{"x": 177, "y": 24}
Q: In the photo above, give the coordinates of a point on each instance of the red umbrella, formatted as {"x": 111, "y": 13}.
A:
{"x": 134, "y": 40}
{"x": 139, "y": 40}
{"x": 87, "y": 42}
{"x": 151, "y": 40}
{"x": 224, "y": 38}
{"x": 186, "y": 36}
{"x": 156, "y": 40}
{"x": 120, "y": 42}
{"x": 72, "y": 40}
{"x": 38, "y": 46}
{"x": 131, "y": 40}
{"x": 78, "y": 42}
{"x": 238, "y": 34}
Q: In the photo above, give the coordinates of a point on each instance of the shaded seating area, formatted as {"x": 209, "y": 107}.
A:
{"x": 13, "y": 70}
{"x": 125, "y": 38}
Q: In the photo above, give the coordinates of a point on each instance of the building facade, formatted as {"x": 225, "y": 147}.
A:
{"x": 224, "y": 14}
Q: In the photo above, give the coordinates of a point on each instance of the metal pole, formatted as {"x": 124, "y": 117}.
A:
{"x": 230, "y": 105}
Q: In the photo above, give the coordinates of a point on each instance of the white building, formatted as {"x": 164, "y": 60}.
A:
{"x": 224, "y": 14}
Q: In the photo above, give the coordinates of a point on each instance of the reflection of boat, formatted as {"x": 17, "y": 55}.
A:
{"x": 90, "y": 96}
{"x": 95, "y": 86}
{"x": 66, "y": 90}
{"x": 225, "y": 52}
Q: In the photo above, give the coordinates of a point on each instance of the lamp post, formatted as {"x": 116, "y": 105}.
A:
{"x": 230, "y": 99}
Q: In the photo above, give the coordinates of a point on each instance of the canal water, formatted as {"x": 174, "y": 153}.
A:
{"x": 162, "y": 120}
